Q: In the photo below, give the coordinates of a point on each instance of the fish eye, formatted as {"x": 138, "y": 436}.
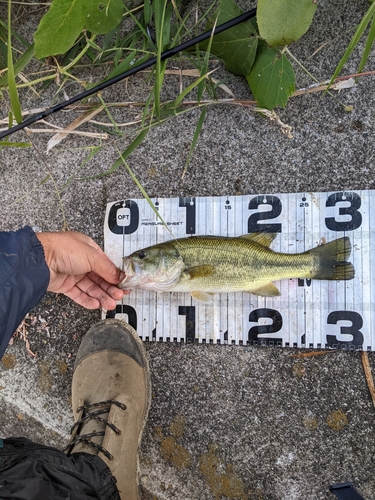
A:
{"x": 141, "y": 254}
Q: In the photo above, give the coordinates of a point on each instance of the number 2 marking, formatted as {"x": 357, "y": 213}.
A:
{"x": 252, "y": 224}
{"x": 274, "y": 327}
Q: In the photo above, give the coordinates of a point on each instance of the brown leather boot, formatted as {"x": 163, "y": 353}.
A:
{"x": 111, "y": 394}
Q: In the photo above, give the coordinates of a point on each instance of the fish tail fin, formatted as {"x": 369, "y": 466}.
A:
{"x": 332, "y": 260}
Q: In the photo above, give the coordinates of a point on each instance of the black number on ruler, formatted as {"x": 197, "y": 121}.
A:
{"x": 302, "y": 282}
{"x": 353, "y": 330}
{"x": 275, "y": 326}
{"x": 189, "y": 312}
{"x": 189, "y": 204}
{"x": 125, "y": 309}
{"x": 252, "y": 223}
{"x": 121, "y": 221}
{"x": 356, "y": 218}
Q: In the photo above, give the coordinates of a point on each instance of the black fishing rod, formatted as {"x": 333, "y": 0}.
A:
{"x": 164, "y": 55}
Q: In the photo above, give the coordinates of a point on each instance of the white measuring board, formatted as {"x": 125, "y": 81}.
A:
{"x": 310, "y": 314}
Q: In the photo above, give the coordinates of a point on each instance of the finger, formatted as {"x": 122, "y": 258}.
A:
{"x": 112, "y": 290}
{"x": 93, "y": 290}
{"x": 104, "y": 267}
{"x": 84, "y": 300}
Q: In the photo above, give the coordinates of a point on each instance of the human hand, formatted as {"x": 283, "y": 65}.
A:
{"x": 80, "y": 269}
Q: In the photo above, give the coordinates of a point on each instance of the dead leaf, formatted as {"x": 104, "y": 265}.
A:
{"x": 85, "y": 117}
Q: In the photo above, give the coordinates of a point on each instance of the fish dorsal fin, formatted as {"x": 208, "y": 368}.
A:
{"x": 199, "y": 272}
{"x": 262, "y": 238}
{"x": 267, "y": 290}
{"x": 202, "y": 297}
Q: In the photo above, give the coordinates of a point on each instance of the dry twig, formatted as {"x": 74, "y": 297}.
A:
{"x": 310, "y": 354}
{"x": 22, "y": 333}
{"x": 368, "y": 375}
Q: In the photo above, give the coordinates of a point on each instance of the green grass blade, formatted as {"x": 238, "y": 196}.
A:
{"x": 132, "y": 146}
{"x": 107, "y": 130}
{"x": 190, "y": 88}
{"x": 109, "y": 115}
{"x": 19, "y": 65}
{"x": 14, "y": 34}
{"x": 147, "y": 11}
{"x": 145, "y": 195}
{"x": 125, "y": 65}
{"x": 160, "y": 14}
{"x": 206, "y": 59}
{"x": 93, "y": 152}
{"x": 12, "y": 88}
{"x": 43, "y": 181}
{"x": 142, "y": 28}
{"x": 353, "y": 42}
{"x": 15, "y": 144}
{"x": 146, "y": 109}
{"x": 369, "y": 42}
{"x": 195, "y": 139}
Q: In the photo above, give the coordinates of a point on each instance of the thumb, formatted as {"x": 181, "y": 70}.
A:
{"x": 104, "y": 267}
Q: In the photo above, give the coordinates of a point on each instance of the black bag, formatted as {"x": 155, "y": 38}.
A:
{"x": 32, "y": 471}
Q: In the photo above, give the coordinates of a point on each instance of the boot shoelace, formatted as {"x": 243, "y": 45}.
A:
{"x": 87, "y": 414}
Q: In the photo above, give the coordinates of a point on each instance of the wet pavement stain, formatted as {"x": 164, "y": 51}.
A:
{"x": 337, "y": 420}
{"x": 62, "y": 366}
{"x": 227, "y": 484}
{"x": 45, "y": 378}
{"x": 170, "y": 450}
{"x": 310, "y": 422}
{"x": 298, "y": 370}
{"x": 9, "y": 361}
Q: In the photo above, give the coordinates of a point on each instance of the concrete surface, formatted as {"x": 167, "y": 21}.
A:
{"x": 226, "y": 422}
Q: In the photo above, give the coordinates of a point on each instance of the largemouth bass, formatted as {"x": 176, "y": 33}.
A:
{"x": 203, "y": 265}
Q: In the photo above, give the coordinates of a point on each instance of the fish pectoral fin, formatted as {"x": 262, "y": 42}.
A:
{"x": 202, "y": 297}
{"x": 267, "y": 290}
{"x": 199, "y": 272}
{"x": 262, "y": 238}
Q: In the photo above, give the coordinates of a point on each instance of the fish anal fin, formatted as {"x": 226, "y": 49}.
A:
{"x": 266, "y": 290}
{"x": 262, "y": 238}
{"x": 202, "y": 297}
{"x": 199, "y": 272}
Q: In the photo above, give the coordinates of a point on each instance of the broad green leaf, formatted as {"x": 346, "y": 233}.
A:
{"x": 272, "y": 79}
{"x": 236, "y": 46}
{"x": 282, "y": 22}
{"x": 59, "y": 28}
{"x": 102, "y": 16}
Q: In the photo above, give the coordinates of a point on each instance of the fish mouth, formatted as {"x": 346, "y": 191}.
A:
{"x": 162, "y": 280}
{"x": 130, "y": 280}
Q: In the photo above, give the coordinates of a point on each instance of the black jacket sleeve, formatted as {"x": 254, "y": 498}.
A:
{"x": 24, "y": 278}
